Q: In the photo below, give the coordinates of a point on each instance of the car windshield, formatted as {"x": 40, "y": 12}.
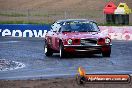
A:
{"x": 80, "y": 27}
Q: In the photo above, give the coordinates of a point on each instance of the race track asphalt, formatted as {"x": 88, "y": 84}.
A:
{"x": 30, "y": 52}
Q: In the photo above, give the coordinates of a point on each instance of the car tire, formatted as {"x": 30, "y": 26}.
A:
{"x": 107, "y": 53}
{"x": 48, "y": 52}
{"x": 61, "y": 51}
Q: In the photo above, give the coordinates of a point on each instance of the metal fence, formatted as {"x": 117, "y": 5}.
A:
{"x": 48, "y": 16}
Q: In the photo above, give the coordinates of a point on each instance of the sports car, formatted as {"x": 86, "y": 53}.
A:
{"x": 76, "y": 36}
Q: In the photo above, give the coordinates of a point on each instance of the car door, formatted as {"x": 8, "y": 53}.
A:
{"x": 55, "y": 36}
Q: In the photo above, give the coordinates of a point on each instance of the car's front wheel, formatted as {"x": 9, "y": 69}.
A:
{"x": 47, "y": 50}
{"x": 106, "y": 53}
{"x": 61, "y": 51}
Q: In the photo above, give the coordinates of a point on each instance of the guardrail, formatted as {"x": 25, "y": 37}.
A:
{"x": 37, "y": 30}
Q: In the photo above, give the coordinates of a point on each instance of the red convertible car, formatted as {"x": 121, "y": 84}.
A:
{"x": 76, "y": 36}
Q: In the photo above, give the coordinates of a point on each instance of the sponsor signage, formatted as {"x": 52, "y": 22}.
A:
{"x": 23, "y": 30}
{"x": 34, "y": 30}
{"x": 117, "y": 32}
{"x": 83, "y": 78}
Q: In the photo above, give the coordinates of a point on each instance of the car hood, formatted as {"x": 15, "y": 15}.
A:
{"x": 84, "y": 35}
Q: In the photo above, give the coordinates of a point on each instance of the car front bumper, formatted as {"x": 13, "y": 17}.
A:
{"x": 85, "y": 48}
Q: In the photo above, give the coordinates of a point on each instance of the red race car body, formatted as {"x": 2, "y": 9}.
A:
{"x": 74, "y": 36}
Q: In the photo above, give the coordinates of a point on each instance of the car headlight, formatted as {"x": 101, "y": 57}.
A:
{"x": 107, "y": 40}
{"x": 69, "y": 41}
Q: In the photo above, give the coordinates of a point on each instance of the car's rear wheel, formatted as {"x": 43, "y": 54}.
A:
{"x": 47, "y": 50}
{"x": 61, "y": 51}
{"x": 106, "y": 53}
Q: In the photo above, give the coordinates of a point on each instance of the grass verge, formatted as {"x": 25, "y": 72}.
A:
{"x": 50, "y": 22}
{"x": 23, "y": 22}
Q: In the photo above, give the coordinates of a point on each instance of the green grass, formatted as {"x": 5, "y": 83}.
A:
{"x": 12, "y": 14}
{"x": 24, "y": 15}
{"x": 23, "y": 22}
{"x": 100, "y": 24}
{"x": 30, "y": 22}
{"x": 45, "y": 15}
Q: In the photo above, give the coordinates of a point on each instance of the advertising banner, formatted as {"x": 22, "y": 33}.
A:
{"x": 23, "y": 30}
{"x": 117, "y": 32}
{"x": 34, "y": 30}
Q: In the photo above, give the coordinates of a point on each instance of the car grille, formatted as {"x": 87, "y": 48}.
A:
{"x": 89, "y": 41}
